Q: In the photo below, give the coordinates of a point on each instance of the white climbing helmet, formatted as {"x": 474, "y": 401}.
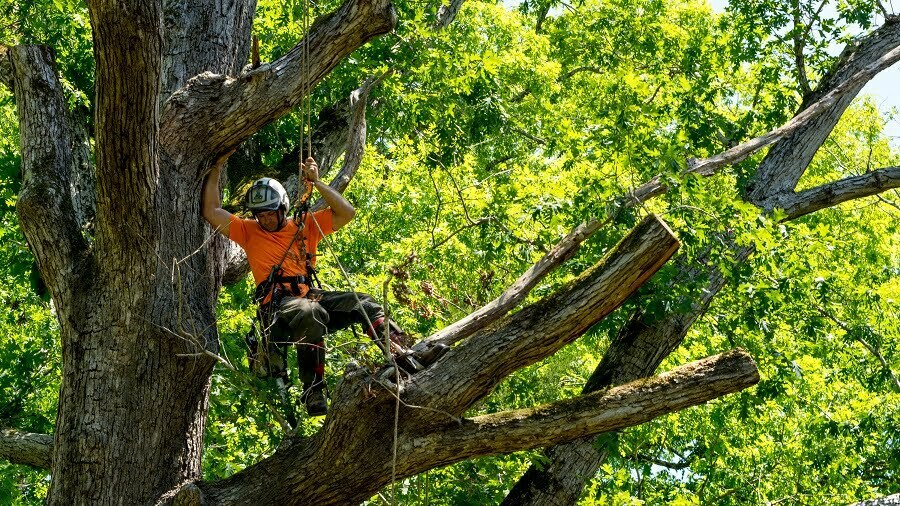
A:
{"x": 266, "y": 194}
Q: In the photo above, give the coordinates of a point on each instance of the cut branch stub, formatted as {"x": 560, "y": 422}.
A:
{"x": 636, "y": 351}
{"x": 26, "y": 448}
{"x": 617, "y": 408}
{"x": 472, "y": 369}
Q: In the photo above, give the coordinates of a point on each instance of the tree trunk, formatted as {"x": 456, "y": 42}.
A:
{"x": 132, "y": 306}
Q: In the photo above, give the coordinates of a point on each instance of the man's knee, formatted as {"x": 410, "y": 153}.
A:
{"x": 368, "y": 306}
{"x": 306, "y": 319}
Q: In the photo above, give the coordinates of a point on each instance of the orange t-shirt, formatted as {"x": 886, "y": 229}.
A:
{"x": 264, "y": 249}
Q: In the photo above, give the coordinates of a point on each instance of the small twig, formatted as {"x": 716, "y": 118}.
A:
{"x": 387, "y": 346}
{"x": 863, "y": 342}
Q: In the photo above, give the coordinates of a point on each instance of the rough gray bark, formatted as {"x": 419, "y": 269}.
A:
{"x": 624, "y": 406}
{"x": 447, "y": 13}
{"x": 542, "y": 328}
{"x": 829, "y": 195}
{"x": 203, "y": 35}
{"x": 637, "y": 350}
{"x": 143, "y": 293}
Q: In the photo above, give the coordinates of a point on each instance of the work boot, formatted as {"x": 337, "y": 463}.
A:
{"x": 410, "y": 361}
{"x": 431, "y": 354}
{"x": 314, "y": 400}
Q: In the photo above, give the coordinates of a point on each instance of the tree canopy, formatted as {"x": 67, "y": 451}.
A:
{"x": 494, "y": 131}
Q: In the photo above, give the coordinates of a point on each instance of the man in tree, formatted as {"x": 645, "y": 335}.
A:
{"x": 282, "y": 255}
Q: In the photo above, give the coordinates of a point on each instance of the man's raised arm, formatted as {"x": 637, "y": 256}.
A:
{"x": 211, "y": 205}
{"x": 342, "y": 209}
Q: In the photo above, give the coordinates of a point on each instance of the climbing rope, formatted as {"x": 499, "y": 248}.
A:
{"x": 303, "y": 207}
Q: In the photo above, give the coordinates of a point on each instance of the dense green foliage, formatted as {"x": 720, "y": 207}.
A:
{"x": 488, "y": 143}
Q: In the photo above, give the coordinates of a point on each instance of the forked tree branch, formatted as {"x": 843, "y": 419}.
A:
{"x": 641, "y": 345}
{"x": 653, "y": 188}
{"x": 861, "y": 60}
{"x": 635, "y": 352}
{"x": 808, "y": 116}
{"x": 26, "y": 448}
{"x": 568, "y": 246}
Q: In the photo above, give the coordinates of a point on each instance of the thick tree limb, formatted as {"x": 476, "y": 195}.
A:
{"x": 636, "y": 351}
{"x": 834, "y": 193}
{"x": 204, "y": 35}
{"x": 26, "y": 448}
{"x": 573, "y": 463}
{"x": 45, "y": 207}
{"x": 128, "y": 50}
{"x": 590, "y": 414}
{"x": 447, "y": 13}
{"x": 224, "y": 112}
{"x": 473, "y": 368}
{"x": 787, "y": 161}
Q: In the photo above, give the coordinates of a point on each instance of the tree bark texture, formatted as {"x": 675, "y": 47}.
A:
{"x": 641, "y": 345}
{"x": 786, "y": 162}
{"x": 542, "y": 328}
{"x": 143, "y": 293}
{"x": 343, "y": 475}
{"x": 637, "y": 350}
